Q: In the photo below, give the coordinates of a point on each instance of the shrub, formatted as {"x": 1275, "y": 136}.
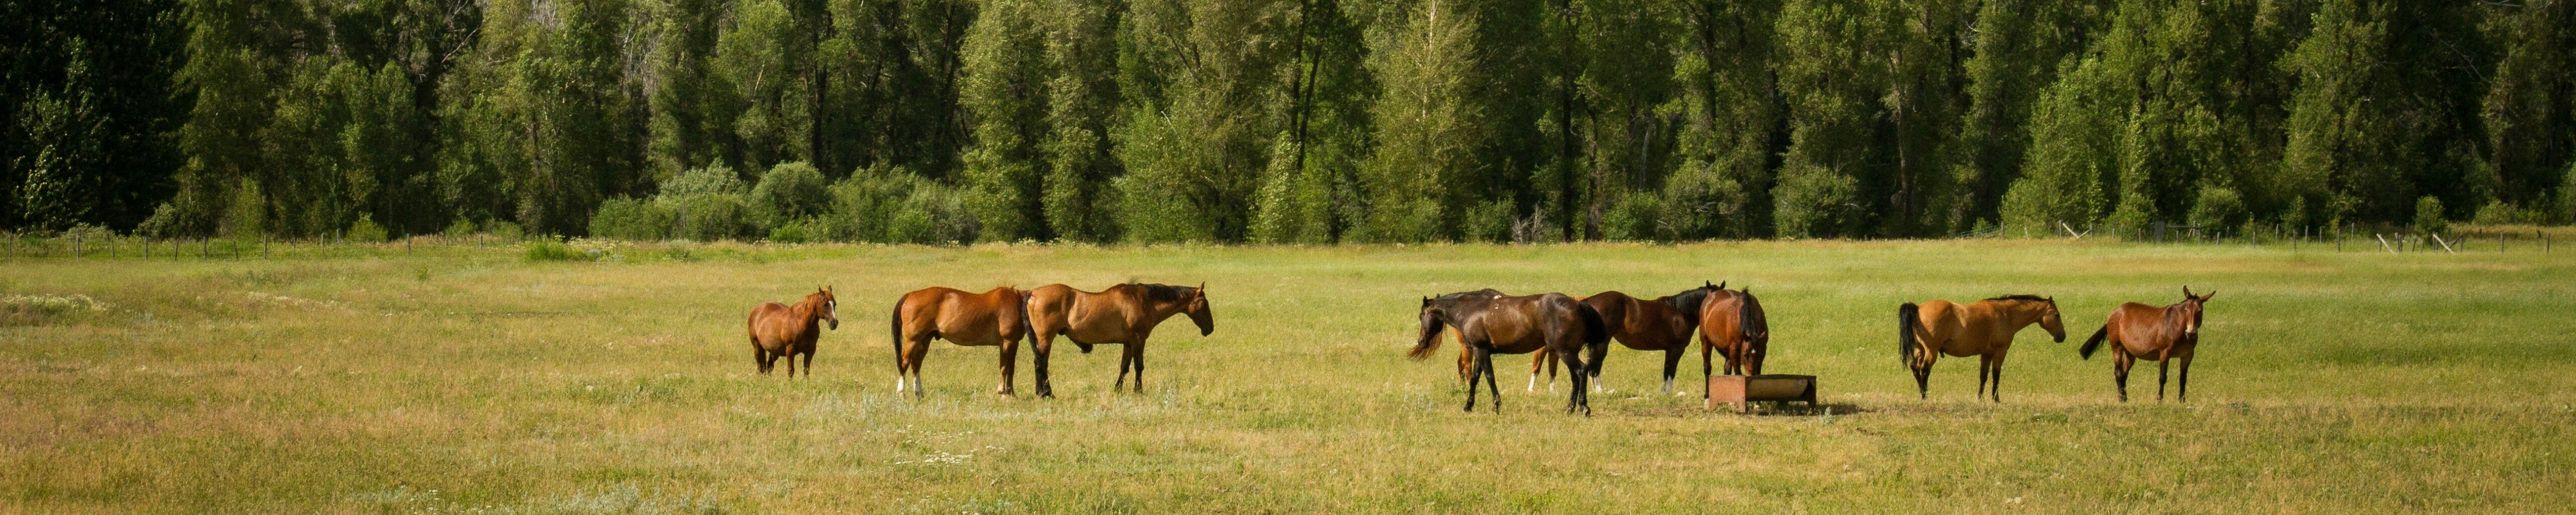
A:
{"x": 2497, "y": 212}
{"x": 790, "y": 191}
{"x": 1634, "y": 218}
{"x": 711, "y": 217}
{"x": 801, "y": 230}
{"x": 366, "y": 231}
{"x": 864, "y": 205}
{"x": 933, "y": 214}
{"x": 2219, "y": 207}
{"x": 1488, "y": 221}
{"x": 632, "y": 219}
{"x": 550, "y": 250}
{"x": 2428, "y": 216}
{"x": 505, "y": 229}
{"x": 462, "y": 227}
{"x": 716, "y": 179}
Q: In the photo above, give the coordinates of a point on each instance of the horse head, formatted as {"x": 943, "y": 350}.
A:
{"x": 1198, "y": 310}
{"x": 1433, "y": 319}
{"x": 2049, "y": 319}
{"x": 2189, "y": 311}
{"x": 826, "y": 307}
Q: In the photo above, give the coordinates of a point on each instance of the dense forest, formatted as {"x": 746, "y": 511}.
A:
{"x": 1280, "y": 121}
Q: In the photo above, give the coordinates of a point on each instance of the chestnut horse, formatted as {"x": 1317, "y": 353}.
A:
{"x": 779, "y": 330}
{"x": 996, "y": 317}
{"x": 2161, "y": 334}
{"x": 1124, "y": 314}
{"x": 1491, "y": 323}
{"x": 1731, "y": 324}
{"x": 1663, "y": 324}
{"x": 1983, "y": 329}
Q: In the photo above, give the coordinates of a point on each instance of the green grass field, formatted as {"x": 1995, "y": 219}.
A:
{"x": 458, "y": 380}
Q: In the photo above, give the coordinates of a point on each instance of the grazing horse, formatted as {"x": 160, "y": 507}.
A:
{"x": 1731, "y": 324}
{"x": 1663, "y": 324}
{"x": 1491, "y": 322}
{"x": 1124, "y": 314}
{"x": 1983, "y": 328}
{"x": 779, "y": 330}
{"x": 996, "y": 317}
{"x": 2162, "y": 334}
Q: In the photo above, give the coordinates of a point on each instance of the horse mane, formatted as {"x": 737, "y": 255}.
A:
{"x": 1159, "y": 293}
{"x": 2023, "y": 296}
{"x": 1688, "y": 303}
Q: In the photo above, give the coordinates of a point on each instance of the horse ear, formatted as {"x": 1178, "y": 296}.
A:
{"x": 2204, "y": 296}
{"x": 1720, "y": 285}
{"x": 2186, "y": 291}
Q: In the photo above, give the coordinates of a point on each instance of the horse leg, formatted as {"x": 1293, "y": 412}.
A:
{"x": 1010, "y": 359}
{"x": 790, "y": 356}
{"x": 2120, "y": 372}
{"x": 1139, "y": 349}
{"x": 1997, "y": 390}
{"x": 1536, "y": 362}
{"x": 1583, "y": 382}
{"x": 1124, "y": 356}
{"x": 1705, "y": 371}
{"x": 1984, "y": 365}
{"x": 2162, "y": 366}
{"x": 1045, "y": 391}
{"x": 1476, "y": 374}
{"x": 1923, "y": 376}
{"x": 759, "y": 358}
{"x": 1491, "y": 389}
{"x": 809, "y": 363}
{"x": 2182, "y": 388}
{"x": 1592, "y": 367}
{"x": 1672, "y": 360}
{"x": 913, "y": 355}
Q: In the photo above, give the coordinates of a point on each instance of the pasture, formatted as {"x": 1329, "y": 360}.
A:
{"x": 452, "y": 379}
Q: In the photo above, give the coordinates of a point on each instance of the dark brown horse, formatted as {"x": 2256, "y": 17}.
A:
{"x": 996, "y": 317}
{"x": 1983, "y": 328}
{"x": 779, "y": 330}
{"x": 1124, "y": 314}
{"x": 1663, "y": 324}
{"x": 1492, "y": 323}
{"x": 1731, "y": 324}
{"x": 2161, "y": 334}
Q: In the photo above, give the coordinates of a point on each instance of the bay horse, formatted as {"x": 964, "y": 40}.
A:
{"x": 1491, "y": 322}
{"x": 996, "y": 317}
{"x": 1663, "y": 324}
{"x": 1983, "y": 329}
{"x": 779, "y": 330}
{"x": 1124, "y": 314}
{"x": 2161, "y": 334}
{"x": 1731, "y": 324}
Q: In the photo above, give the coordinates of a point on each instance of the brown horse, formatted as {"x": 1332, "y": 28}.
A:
{"x": 1983, "y": 328}
{"x": 1663, "y": 324}
{"x": 2162, "y": 334}
{"x": 1731, "y": 324}
{"x": 1491, "y": 323}
{"x": 779, "y": 330}
{"x": 1124, "y": 314}
{"x": 996, "y": 317}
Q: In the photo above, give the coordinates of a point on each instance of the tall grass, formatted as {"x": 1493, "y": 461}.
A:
{"x": 455, "y": 379}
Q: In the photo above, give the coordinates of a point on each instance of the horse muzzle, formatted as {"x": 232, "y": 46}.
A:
{"x": 832, "y": 323}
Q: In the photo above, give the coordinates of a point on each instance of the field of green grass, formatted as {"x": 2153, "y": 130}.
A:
{"x": 451, "y": 379}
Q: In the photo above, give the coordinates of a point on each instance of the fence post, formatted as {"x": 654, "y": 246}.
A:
{"x": 76, "y": 244}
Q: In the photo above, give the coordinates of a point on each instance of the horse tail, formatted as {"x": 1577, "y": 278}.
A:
{"x": 1595, "y": 330}
{"x": 894, "y": 332}
{"x": 1906, "y": 317}
{"x": 2094, "y": 343}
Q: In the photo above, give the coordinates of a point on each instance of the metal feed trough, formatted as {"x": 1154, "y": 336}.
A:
{"x": 1743, "y": 391}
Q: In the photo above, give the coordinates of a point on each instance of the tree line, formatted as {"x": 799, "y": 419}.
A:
{"x": 1281, "y": 121}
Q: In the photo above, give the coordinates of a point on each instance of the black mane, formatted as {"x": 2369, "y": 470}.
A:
{"x": 1162, "y": 292}
{"x": 2024, "y": 296}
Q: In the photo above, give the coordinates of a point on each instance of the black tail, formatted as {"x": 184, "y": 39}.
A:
{"x": 1595, "y": 330}
{"x": 895, "y": 333}
{"x": 2094, "y": 343}
{"x": 1906, "y": 317}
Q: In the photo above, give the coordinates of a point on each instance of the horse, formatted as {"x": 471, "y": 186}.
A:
{"x": 996, "y": 317}
{"x": 1663, "y": 324}
{"x": 1124, "y": 314}
{"x": 1983, "y": 328}
{"x": 1491, "y": 322}
{"x": 779, "y": 330}
{"x": 1731, "y": 324}
{"x": 2163, "y": 334}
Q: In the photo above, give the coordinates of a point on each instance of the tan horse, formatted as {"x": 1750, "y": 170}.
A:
{"x": 1124, "y": 314}
{"x": 996, "y": 317}
{"x": 2162, "y": 334}
{"x": 779, "y": 330}
{"x": 1663, "y": 324}
{"x": 1732, "y": 324}
{"x": 1983, "y": 328}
